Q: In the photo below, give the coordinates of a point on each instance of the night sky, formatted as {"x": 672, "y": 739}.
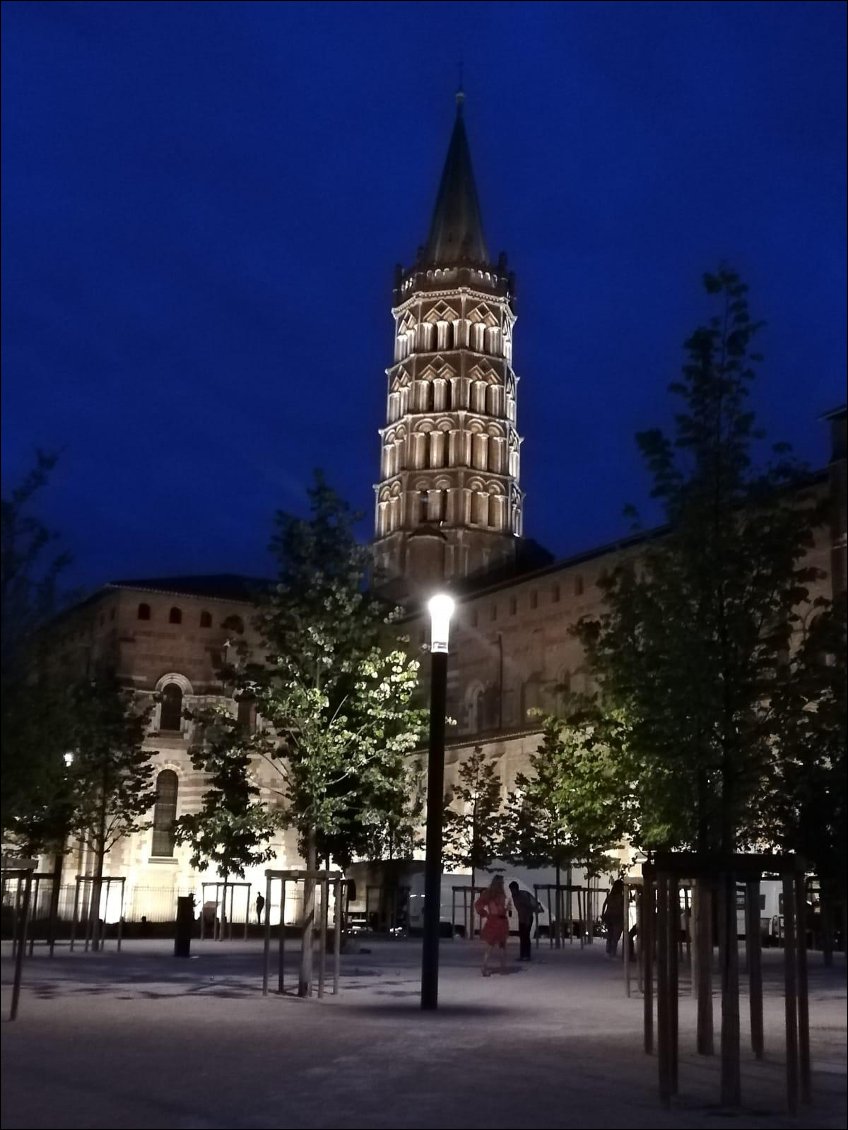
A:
{"x": 203, "y": 205}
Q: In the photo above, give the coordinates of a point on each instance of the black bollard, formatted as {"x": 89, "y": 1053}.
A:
{"x": 185, "y": 923}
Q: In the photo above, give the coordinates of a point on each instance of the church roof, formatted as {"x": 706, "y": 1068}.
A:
{"x": 456, "y": 233}
{"x": 223, "y": 586}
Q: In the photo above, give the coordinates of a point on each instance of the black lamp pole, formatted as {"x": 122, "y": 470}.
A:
{"x": 435, "y": 801}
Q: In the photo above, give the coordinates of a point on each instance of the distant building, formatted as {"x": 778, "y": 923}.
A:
{"x": 166, "y": 638}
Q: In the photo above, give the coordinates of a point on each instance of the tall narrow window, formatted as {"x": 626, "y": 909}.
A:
{"x": 246, "y": 714}
{"x": 175, "y": 616}
{"x": 165, "y": 813}
{"x": 172, "y": 708}
{"x": 206, "y": 619}
{"x": 144, "y": 612}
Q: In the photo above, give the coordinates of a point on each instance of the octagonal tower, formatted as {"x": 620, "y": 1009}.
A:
{"x": 448, "y": 503}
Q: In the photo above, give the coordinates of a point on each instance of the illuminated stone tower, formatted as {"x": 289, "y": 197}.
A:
{"x": 448, "y": 502}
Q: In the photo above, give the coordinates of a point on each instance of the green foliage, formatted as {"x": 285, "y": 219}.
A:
{"x": 472, "y": 816}
{"x": 577, "y": 802}
{"x": 111, "y": 774}
{"x": 804, "y": 804}
{"x": 691, "y": 647}
{"x": 34, "y": 710}
{"x": 29, "y": 572}
{"x": 232, "y": 829}
{"x": 336, "y": 689}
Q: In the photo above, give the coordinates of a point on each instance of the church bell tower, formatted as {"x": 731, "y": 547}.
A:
{"x": 448, "y": 504}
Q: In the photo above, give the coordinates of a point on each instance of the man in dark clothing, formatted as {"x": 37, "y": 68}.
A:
{"x": 525, "y": 907}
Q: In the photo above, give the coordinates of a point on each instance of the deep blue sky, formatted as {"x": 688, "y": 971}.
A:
{"x": 203, "y": 204}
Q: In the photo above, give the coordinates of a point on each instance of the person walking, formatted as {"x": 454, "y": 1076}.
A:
{"x": 526, "y": 907}
{"x": 492, "y": 908}
{"x": 612, "y": 916}
{"x": 260, "y": 906}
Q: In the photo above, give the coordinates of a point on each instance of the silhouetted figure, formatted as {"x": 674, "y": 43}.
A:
{"x": 260, "y": 906}
{"x": 612, "y": 916}
{"x": 525, "y": 908}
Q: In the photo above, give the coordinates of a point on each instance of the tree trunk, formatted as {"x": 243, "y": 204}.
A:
{"x": 96, "y": 897}
{"x": 471, "y": 909}
{"x": 558, "y": 909}
{"x": 826, "y": 921}
{"x": 304, "y": 986}
{"x": 223, "y": 914}
{"x": 702, "y": 961}
{"x": 97, "y": 884}
{"x": 731, "y": 1086}
{"x": 58, "y": 865}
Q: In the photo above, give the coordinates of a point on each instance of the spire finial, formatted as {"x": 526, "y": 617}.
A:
{"x": 460, "y": 93}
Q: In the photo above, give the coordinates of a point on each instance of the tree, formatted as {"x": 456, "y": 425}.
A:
{"x": 693, "y": 640}
{"x": 804, "y": 805}
{"x": 34, "y": 712}
{"x": 576, "y": 804}
{"x": 111, "y": 772}
{"x": 336, "y": 690}
{"x": 472, "y": 831}
{"x": 232, "y": 829}
{"x": 695, "y": 631}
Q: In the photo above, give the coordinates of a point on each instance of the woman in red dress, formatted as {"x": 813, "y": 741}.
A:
{"x": 492, "y": 908}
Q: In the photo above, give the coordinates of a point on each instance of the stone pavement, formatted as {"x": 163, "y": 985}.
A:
{"x": 142, "y": 1039}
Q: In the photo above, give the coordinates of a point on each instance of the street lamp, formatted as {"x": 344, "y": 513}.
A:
{"x": 441, "y": 609}
{"x": 59, "y": 860}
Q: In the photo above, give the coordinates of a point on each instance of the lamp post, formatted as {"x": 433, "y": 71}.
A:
{"x": 441, "y": 609}
{"x": 59, "y": 860}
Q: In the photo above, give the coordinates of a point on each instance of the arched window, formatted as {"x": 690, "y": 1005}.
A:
{"x": 171, "y": 715}
{"x": 562, "y": 690}
{"x": 475, "y": 709}
{"x": 175, "y": 616}
{"x": 165, "y": 812}
{"x": 246, "y": 714}
{"x": 206, "y": 619}
{"x": 144, "y": 612}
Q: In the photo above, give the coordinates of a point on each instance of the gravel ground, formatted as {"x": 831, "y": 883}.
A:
{"x": 144, "y": 1039}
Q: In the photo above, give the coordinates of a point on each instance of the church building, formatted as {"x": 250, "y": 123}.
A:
{"x": 449, "y": 512}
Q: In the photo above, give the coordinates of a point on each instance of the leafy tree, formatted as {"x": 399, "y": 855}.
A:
{"x": 576, "y": 803}
{"x": 804, "y": 804}
{"x": 692, "y": 644}
{"x": 472, "y": 827}
{"x": 397, "y": 832}
{"x": 34, "y": 713}
{"x": 336, "y": 690}
{"x": 111, "y": 772}
{"x": 232, "y": 830}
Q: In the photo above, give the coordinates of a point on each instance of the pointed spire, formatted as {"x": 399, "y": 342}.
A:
{"x": 456, "y": 232}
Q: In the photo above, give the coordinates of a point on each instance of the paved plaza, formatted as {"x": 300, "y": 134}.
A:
{"x": 144, "y": 1039}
